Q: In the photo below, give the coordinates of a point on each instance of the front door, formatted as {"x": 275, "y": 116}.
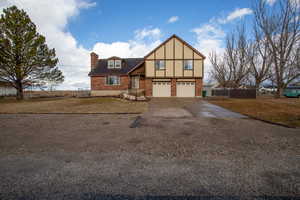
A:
{"x": 135, "y": 82}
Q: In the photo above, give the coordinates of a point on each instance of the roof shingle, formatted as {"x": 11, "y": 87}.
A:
{"x": 127, "y": 65}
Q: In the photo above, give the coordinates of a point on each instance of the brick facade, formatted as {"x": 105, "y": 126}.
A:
{"x": 94, "y": 60}
{"x": 142, "y": 83}
{"x": 173, "y": 87}
{"x": 199, "y": 83}
{"x": 148, "y": 87}
{"x": 99, "y": 83}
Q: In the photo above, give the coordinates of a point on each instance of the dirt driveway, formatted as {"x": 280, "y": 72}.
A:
{"x": 171, "y": 153}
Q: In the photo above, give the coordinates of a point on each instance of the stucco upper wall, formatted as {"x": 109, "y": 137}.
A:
{"x": 174, "y": 51}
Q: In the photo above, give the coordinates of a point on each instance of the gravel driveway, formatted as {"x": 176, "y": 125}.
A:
{"x": 178, "y": 155}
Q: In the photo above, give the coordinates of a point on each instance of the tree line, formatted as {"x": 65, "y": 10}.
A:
{"x": 271, "y": 52}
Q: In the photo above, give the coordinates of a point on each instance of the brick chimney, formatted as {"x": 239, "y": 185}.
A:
{"x": 94, "y": 60}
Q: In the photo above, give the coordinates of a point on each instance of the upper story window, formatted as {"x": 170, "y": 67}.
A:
{"x": 188, "y": 65}
{"x": 160, "y": 65}
{"x": 112, "y": 64}
{"x": 118, "y": 63}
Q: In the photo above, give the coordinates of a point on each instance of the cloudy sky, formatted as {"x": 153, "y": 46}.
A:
{"x": 128, "y": 28}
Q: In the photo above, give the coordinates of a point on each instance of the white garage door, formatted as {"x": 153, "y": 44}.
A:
{"x": 161, "y": 89}
{"x": 185, "y": 89}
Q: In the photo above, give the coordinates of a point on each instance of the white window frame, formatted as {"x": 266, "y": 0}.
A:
{"x": 110, "y": 64}
{"x": 160, "y": 65}
{"x": 113, "y": 76}
{"x": 114, "y": 64}
{"x": 118, "y": 64}
{"x": 186, "y": 65}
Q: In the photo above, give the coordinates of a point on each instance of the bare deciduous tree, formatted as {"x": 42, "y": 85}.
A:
{"x": 280, "y": 25}
{"x": 220, "y": 71}
{"x": 232, "y": 69}
{"x": 236, "y": 56}
{"x": 260, "y": 59}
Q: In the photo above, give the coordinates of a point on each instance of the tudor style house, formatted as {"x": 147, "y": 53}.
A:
{"x": 173, "y": 69}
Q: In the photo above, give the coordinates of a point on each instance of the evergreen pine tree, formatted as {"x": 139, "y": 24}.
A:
{"x": 25, "y": 59}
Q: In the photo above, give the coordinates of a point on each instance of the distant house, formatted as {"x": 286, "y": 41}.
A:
{"x": 173, "y": 69}
{"x": 6, "y": 89}
{"x": 295, "y": 84}
{"x": 208, "y": 88}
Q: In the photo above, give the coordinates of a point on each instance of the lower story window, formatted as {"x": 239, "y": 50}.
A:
{"x": 113, "y": 80}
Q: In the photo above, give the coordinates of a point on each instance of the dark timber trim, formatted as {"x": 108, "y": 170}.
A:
{"x": 182, "y": 59}
{"x": 176, "y": 41}
{"x": 202, "y": 69}
{"x": 165, "y": 60}
{"x": 193, "y": 65}
{"x": 184, "y": 42}
{"x": 173, "y": 57}
{"x": 154, "y": 63}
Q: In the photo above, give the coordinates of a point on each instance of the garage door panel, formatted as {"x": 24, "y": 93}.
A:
{"x": 161, "y": 89}
{"x": 185, "y": 89}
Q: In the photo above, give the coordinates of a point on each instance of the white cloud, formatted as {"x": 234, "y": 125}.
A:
{"x": 209, "y": 31}
{"x": 173, "y": 19}
{"x": 209, "y": 37}
{"x": 141, "y": 34}
{"x": 236, "y": 14}
{"x": 52, "y": 17}
{"x": 270, "y": 2}
{"x": 84, "y": 4}
{"x": 130, "y": 49}
{"x": 295, "y": 3}
{"x": 144, "y": 41}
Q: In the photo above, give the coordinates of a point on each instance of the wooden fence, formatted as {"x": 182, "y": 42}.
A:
{"x": 235, "y": 93}
{"x": 7, "y": 91}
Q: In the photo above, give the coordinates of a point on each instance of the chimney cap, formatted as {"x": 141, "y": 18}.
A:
{"x": 93, "y": 53}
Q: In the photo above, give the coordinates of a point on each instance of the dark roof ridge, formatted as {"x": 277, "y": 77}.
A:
{"x": 128, "y": 64}
{"x": 181, "y": 40}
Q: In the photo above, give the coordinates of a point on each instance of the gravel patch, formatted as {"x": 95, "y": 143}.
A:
{"x": 101, "y": 157}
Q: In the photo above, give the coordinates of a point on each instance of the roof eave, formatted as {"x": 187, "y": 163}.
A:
{"x": 175, "y": 36}
{"x": 137, "y": 66}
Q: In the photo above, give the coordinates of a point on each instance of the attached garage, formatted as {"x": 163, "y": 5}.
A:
{"x": 185, "y": 89}
{"x": 161, "y": 89}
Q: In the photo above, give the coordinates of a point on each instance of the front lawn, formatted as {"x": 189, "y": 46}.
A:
{"x": 284, "y": 111}
{"x": 72, "y": 105}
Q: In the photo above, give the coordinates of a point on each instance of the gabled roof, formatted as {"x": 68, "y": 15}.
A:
{"x": 137, "y": 66}
{"x": 181, "y": 40}
{"x": 114, "y": 58}
{"x": 128, "y": 64}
